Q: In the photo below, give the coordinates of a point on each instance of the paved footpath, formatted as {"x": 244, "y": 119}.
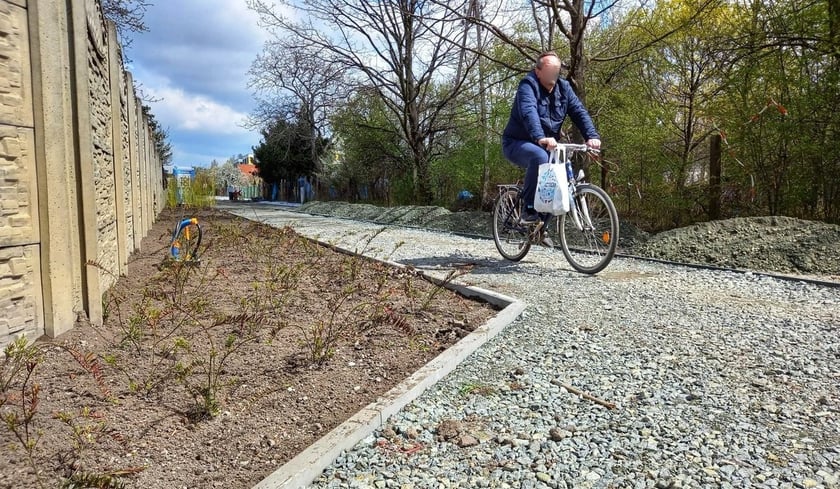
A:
{"x": 720, "y": 379}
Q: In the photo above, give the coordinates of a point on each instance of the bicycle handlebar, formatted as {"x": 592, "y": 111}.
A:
{"x": 561, "y": 152}
{"x": 574, "y": 148}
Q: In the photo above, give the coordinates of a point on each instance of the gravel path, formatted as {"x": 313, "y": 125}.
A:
{"x": 719, "y": 379}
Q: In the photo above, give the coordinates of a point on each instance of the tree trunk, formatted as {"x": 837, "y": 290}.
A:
{"x": 714, "y": 178}
{"x": 424, "y": 194}
{"x": 577, "y": 68}
{"x": 485, "y": 124}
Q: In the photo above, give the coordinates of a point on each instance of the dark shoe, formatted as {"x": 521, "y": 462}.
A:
{"x": 530, "y": 216}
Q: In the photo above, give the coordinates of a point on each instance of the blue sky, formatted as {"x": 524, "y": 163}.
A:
{"x": 195, "y": 58}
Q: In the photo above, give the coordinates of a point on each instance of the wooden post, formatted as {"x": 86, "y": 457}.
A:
{"x": 714, "y": 178}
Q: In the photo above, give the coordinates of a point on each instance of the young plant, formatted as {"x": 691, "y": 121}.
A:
{"x": 367, "y": 239}
{"x": 90, "y": 363}
{"x": 322, "y": 337}
{"x": 201, "y": 370}
{"x": 87, "y": 429}
{"x": 19, "y": 397}
{"x": 476, "y": 388}
{"x": 440, "y": 285}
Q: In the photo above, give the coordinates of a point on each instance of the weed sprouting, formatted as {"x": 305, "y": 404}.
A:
{"x": 19, "y": 397}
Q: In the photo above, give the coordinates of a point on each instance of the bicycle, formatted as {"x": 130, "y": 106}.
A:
{"x": 588, "y": 232}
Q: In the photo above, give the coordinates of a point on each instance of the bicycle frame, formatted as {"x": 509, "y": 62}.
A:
{"x": 562, "y": 153}
{"x": 579, "y": 211}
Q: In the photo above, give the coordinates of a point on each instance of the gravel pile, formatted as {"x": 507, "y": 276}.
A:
{"x": 719, "y": 379}
{"x": 781, "y": 244}
{"x": 772, "y": 244}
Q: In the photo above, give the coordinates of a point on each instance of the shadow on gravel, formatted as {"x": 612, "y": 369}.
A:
{"x": 479, "y": 265}
{"x": 488, "y": 266}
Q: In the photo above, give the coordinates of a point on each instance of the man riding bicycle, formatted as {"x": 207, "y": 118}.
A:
{"x": 542, "y": 102}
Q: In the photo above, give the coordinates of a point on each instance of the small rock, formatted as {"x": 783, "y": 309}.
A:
{"x": 557, "y": 434}
{"x": 829, "y": 479}
{"x": 466, "y": 441}
{"x": 448, "y": 429}
{"x": 771, "y": 408}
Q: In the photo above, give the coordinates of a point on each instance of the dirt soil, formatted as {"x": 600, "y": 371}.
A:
{"x": 215, "y": 375}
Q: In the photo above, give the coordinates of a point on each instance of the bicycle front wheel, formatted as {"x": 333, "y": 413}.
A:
{"x": 510, "y": 236}
{"x": 589, "y": 231}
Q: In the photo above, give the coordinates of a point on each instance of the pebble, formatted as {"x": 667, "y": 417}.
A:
{"x": 466, "y": 441}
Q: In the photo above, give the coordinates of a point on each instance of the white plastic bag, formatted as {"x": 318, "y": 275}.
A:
{"x": 552, "y": 187}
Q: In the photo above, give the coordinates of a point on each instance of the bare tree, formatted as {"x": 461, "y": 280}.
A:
{"x": 128, "y": 17}
{"x": 291, "y": 84}
{"x": 571, "y": 18}
{"x": 399, "y": 48}
{"x": 553, "y": 21}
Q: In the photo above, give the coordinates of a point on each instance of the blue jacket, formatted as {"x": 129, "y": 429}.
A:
{"x": 537, "y": 114}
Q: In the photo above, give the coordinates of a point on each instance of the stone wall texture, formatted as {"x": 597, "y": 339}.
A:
{"x": 80, "y": 182}
{"x": 99, "y": 92}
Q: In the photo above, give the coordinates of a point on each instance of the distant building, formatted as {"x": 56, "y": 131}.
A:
{"x": 250, "y": 173}
{"x": 248, "y": 169}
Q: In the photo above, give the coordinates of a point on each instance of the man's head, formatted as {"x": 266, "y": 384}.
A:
{"x": 548, "y": 69}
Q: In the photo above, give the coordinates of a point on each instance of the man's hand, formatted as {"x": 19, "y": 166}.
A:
{"x": 548, "y": 143}
{"x": 594, "y": 143}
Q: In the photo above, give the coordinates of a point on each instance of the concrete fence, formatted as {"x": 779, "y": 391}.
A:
{"x": 80, "y": 180}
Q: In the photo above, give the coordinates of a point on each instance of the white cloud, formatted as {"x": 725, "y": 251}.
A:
{"x": 193, "y": 112}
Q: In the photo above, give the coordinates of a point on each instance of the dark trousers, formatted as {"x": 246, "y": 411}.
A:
{"x": 530, "y": 156}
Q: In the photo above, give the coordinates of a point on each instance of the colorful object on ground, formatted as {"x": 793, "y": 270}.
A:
{"x": 185, "y": 241}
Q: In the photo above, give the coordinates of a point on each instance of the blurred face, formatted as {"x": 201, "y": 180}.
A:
{"x": 549, "y": 71}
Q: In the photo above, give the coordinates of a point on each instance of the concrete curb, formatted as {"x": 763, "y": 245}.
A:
{"x": 309, "y": 464}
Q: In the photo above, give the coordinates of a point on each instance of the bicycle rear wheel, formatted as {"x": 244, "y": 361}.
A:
{"x": 510, "y": 236}
{"x": 589, "y": 231}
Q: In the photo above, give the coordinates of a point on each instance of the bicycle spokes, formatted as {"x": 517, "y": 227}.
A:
{"x": 584, "y": 209}
{"x": 510, "y": 236}
{"x": 589, "y": 236}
